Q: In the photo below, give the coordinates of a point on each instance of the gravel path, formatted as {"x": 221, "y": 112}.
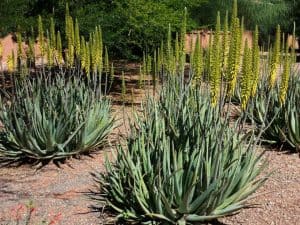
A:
{"x": 279, "y": 198}
{"x": 53, "y": 190}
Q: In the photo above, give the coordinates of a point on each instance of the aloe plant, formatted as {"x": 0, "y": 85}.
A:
{"x": 182, "y": 164}
{"x": 266, "y": 111}
{"x": 281, "y": 118}
{"x": 53, "y": 118}
{"x": 292, "y": 117}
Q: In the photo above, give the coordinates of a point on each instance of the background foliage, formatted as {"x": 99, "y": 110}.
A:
{"x": 133, "y": 25}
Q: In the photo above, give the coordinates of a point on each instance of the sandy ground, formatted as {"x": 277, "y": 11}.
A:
{"x": 279, "y": 199}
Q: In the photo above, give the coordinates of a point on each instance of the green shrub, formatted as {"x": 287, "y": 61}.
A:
{"x": 53, "y": 118}
{"x": 182, "y": 164}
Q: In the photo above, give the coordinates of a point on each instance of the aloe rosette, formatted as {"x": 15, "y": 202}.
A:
{"x": 53, "y": 118}
{"x": 182, "y": 164}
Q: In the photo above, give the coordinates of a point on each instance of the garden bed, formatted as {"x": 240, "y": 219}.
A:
{"x": 63, "y": 191}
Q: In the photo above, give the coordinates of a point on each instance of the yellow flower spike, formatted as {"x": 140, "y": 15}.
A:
{"x": 174, "y": 65}
{"x": 59, "y": 49}
{"x": 71, "y": 42}
{"x": 100, "y": 51}
{"x": 159, "y": 63}
{"x": 234, "y": 57}
{"x": 169, "y": 50}
{"x": 67, "y": 23}
{"x": 240, "y": 43}
{"x": 215, "y": 78}
{"x": 106, "y": 61}
{"x": 285, "y": 76}
{"x": 52, "y": 34}
{"x": 234, "y": 12}
{"x": 41, "y": 37}
{"x": 282, "y": 52}
{"x": 275, "y": 59}
{"x": 210, "y": 53}
{"x": 70, "y": 37}
{"x": 93, "y": 49}
{"x": 20, "y": 49}
{"x": 97, "y": 49}
{"x": 77, "y": 39}
{"x": 177, "y": 52}
{"x": 49, "y": 55}
{"x": 198, "y": 61}
{"x": 246, "y": 84}
{"x": 49, "y": 51}
{"x": 11, "y": 62}
{"x": 88, "y": 59}
{"x": 284, "y": 81}
{"x": 255, "y": 62}
{"x": 83, "y": 53}
{"x": 182, "y": 43}
{"x": 225, "y": 40}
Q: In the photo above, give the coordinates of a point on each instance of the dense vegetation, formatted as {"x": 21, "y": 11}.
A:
{"x": 185, "y": 159}
{"x": 132, "y": 26}
{"x": 176, "y": 165}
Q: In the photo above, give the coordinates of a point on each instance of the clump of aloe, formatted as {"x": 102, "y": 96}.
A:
{"x": 51, "y": 118}
{"x": 182, "y": 164}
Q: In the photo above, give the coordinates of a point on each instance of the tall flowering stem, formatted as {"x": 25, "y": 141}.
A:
{"x": 77, "y": 39}
{"x": 246, "y": 86}
{"x": 41, "y": 37}
{"x": 59, "y": 56}
{"x": 275, "y": 61}
{"x": 11, "y": 62}
{"x": 52, "y": 34}
{"x": 83, "y": 53}
{"x": 284, "y": 84}
{"x": 215, "y": 77}
{"x": 182, "y": 42}
{"x": 198, "y": 61}
{"x": 225, "y": 48}
{"x": 255, "y": 62}
{"x": 87, "y": 59}
{"x": 234, "y": 57}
